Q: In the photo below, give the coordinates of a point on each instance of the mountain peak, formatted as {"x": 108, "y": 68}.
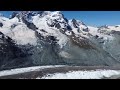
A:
{"x": 57, "y": 13}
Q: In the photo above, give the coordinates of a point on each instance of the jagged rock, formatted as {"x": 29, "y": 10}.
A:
{"x": 75, "y": 24}
{"x": 115, "y": 32}
{"x": 96, "y": 36}
{"x": 1, "y": 24}
{"x": 14, "y": 14}
{"x": 13, "y": 26}
{"x": 29, "y": 25}
{"x": 86, "y": 30}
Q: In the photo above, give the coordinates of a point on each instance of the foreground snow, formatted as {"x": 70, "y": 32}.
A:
{"x": 89, "y": 74}
{"x": 93, "y": 74}
{"x": 27, "y": 69}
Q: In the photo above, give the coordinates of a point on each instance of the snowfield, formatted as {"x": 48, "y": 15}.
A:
{"x": 27, "y": 69}
{"x": 71, "y": 74}
{"x": 92, "y": 74}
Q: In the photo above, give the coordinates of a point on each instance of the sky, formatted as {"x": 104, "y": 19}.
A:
{"x": 92, "y": 18}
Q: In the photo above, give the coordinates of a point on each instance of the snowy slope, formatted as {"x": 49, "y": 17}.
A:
{"x": 42, "y": 23}
{"x": 78, "y": 27}
{"x": 20, "y": 33}
{"x": 93, "y": 30}
{"x": 116, "y": 27}
{"x": 81, "y": 74}
{"x": 101, "y": 37}
{"x": 27, "y": 69}
{"x": 93, "y": 74}
{"x": 110, "y": 28}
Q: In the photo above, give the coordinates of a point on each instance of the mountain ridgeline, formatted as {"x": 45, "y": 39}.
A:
{"x": 31, "y": 38}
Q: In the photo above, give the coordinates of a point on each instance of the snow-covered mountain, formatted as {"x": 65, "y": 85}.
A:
{"x": 47, "y": 38}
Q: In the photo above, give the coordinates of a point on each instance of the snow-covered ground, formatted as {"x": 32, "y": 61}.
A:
{"x": 92, "y": 74}
{"x": 27, "y": 69}
{"x": 93, "y": 30}
{"x": 81, "y": 74}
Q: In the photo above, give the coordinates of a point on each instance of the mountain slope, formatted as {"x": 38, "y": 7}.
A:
{"x": 48, "y": 38}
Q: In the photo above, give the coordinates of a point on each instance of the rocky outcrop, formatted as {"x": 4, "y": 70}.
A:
{"x": 11, "y": 56}
{"x": 1, "y": 24}
{"x": 29, "y": 24}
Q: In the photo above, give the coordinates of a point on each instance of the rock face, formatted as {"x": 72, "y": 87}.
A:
{"x": 47, "y": 38}
{"x": 29, "y": 24}
{"x": 14, "y": 14}
{"x": 10, "y": 54}
{"x": 1, "y": 24}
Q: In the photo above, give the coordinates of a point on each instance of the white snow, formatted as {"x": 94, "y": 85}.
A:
{"x": 41, "y": 24}
{"x": 27, "y": 69}
{"x": 92, "y": 74}
{"x": 79, "y": 32}
{"x": 114, "y": 28}
{"x": 68, "y": 33}
{"x": 21, "y": 34}
{"x": 110, "y": 28}
{"x": 62, "y": 39}
{"x": 93, "y": 30}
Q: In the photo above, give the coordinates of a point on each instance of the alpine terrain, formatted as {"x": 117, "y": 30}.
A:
{"x": 37, "y": 38}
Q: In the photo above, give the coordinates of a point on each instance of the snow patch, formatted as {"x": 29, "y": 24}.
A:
{"x": 114, "y": 28}
{"x": 68, "y": 33}
{"x": 93, "y": 74}
{"x": 93, "y": 30}
{"x": 22, "y": 35}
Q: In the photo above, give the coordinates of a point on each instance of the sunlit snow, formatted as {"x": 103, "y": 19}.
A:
{"x": 93, "y": 74}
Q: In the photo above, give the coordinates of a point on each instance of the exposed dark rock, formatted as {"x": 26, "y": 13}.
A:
{"x": 14, "y": 14}
{"x": 10, "y": 54}
{"x": 115, "y": 32}
{"x": 66, "y": 20}
{"x": 82, "y": 43}
{"x": 86, "y": 30}
{"x": 50, "y": 25}
{"x": 58, "y": 26}
{"x": 43, "y": 30}
{"x": 42, "y": 13}
{"x": 69, "y": 27}
{"x": 29, "y": 24}
{"x": 13, "y": 26}
{"x": 1, "y": 24}
{"x": 104, "y": 26}
{"x": 55, "y": 23}
{"x": 96, "y": 36}
{"x": 75, "y": 24}
{"x": 116, "y": 26}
